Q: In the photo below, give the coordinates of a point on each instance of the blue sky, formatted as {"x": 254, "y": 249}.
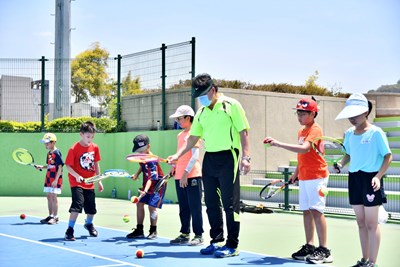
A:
{"x": 353, "y": 44}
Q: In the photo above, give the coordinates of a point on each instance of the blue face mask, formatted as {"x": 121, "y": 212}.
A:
{"x": 204, "y": 100}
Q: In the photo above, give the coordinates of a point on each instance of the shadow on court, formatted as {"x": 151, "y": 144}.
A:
{"x": 109, "y": 248}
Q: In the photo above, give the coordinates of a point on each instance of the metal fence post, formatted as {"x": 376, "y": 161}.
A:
{"x": 193, "y": 104}
{"x": 163, "y": 84}
{"x": 118, "y": 58}
{"x": 42, "y": 88}
{"x": 286, "y": 174}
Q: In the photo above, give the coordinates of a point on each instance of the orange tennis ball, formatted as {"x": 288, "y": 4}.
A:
{"x": 323, "y": 192}
{"x": 134, "y": 199}
{"x": 139, "y": 253}
{"x": 22, "y": 216}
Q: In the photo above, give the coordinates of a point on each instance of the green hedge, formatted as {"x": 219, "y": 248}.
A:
{"x": 64, "y": 125}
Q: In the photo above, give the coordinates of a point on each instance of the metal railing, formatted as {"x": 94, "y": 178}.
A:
{"x": 337, "y": 201}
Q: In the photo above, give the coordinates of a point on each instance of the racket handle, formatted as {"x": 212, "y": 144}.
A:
{"x": 336, "y": 166}
{"x": 37, "y": 167}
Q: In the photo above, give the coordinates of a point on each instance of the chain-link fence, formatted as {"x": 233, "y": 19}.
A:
{"x": 39, "y": 89}
{"x": 337, "y": 201}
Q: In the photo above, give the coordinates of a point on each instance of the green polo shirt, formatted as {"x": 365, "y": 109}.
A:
{"x": 220, "y": 127}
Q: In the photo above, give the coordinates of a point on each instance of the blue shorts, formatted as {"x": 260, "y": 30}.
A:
{"x": 153, "y": 200}
{"x": 361, "y": 191}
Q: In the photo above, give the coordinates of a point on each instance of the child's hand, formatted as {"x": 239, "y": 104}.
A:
{"x": 183, "y": 182}
{"x": 271, "y": 141}
{"x": 100, "y": 187}
{"x": 141, "y": 193}
{"x": 134, "y": 177}
{"x": 54, "y": 184}
{"x": 39, "y": 167}
{"x": 79, "y": 179}
{"x": 172, "y": 159}
{"x": 337, "y": 166}
{"x": 376, "y": 183}
{"x": 293, "y": 179}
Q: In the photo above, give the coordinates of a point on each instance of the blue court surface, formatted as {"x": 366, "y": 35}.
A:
{"x": 30, "y": 243}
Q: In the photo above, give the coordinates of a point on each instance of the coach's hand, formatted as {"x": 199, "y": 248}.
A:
{"x": 244, "y": 166}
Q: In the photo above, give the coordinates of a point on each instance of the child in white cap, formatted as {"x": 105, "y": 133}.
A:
{"x": 188, "y": 182}
{"x": 368, "y": 152}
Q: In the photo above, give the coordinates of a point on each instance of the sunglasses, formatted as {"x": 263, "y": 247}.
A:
{"x": 180, "y": 118}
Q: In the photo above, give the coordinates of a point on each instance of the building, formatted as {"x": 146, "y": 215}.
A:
{"x": 20, "y": 98}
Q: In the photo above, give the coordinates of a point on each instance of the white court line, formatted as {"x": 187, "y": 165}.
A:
{"x": 73, "y": 250}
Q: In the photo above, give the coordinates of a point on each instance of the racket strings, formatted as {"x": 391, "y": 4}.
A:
{"x": 275, "y": 189}
{"x": 22, "y": 156}
{"x": 332, "y": 150}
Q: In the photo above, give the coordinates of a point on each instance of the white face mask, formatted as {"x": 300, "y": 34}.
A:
{"x": 204, "y": 100}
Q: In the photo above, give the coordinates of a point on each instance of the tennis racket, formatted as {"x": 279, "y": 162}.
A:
{"x": 331, "y": 149}
{"x": 162, "y": 182}
{"x": 144, "y": 158}
{"x": 24, "y": 157}
{"x": 273, "y": 188}
{"x": 107, "y": 174}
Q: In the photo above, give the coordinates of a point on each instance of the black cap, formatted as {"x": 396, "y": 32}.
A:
{"x": 202, "y": 84}
{"x": 139, "y": 142}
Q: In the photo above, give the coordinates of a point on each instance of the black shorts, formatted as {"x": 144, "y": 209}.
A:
{"x": 361, "y": 191}
{"x": 83, "y": 198}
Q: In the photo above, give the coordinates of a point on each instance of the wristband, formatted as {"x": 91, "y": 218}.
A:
{"x": 248, "y": 158}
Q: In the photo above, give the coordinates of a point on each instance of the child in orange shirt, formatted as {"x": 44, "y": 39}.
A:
{"x": 312, "y": 173}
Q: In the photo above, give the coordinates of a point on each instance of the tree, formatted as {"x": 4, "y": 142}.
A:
{"x": 131, "y": 86}
{"x": 393, "y": 88}
{"x": 88, "y": 74}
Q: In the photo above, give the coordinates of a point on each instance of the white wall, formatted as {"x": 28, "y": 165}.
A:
{"x": 269, "y": 114}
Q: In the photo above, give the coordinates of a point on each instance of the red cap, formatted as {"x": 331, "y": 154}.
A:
{"x": 307, "y": 104}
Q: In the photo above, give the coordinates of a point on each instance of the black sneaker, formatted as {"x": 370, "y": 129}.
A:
{"x": 361, "y": 263}
{"x": 320, "y": 255}
{"x": 304, "y": 252}
{"x": 180, "y": 240}
{"x": 91, "y": 229}
{"x": 46, "y": 220}
{"x": 69, "y": 234}
{"x": 152, "y": 235}
{"x": 136, "y": 234}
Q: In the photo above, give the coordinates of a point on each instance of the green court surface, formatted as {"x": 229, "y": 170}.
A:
{"x": 278, "y": 234}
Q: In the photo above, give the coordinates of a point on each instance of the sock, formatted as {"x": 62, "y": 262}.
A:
{"x": 139, "y": 227}
{"x": 71, "y": 223}
{"x": 89, "y": 220}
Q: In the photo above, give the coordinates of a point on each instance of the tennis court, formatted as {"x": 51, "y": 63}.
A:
{"x": 265, "y": 239}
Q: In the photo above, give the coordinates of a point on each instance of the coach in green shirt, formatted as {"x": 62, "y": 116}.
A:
{"x": 222, "y": 124}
